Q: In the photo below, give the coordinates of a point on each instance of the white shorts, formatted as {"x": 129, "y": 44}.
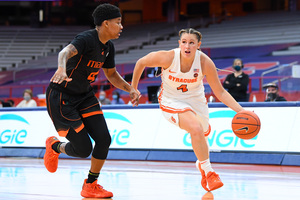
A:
{"x": 171, "y": 107}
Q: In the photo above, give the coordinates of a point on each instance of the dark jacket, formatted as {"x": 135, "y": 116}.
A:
{"x": 238, "y": 93}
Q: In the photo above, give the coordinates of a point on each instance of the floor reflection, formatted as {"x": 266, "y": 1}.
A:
{"x": 27, "y": 178}
{"x": 208, "y": 196}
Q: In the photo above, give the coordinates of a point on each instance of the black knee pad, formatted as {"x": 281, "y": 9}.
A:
{"x": 102, "y": 146}
{"x": 85, "y": 151}
{"x": 80, "y": 144}
{"x": 97, "y": 129}
{"x": 82, "y": 151}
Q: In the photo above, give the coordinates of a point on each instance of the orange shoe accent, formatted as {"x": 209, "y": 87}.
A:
{"x": 94, "y": 190}
{"x": 51, "y": 157}
{"x": 203, "y": 180}
{"x": 213, "y": 181}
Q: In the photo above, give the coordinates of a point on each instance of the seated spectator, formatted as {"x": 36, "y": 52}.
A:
{"x": 272, "y": 93}
{"x": 116, "y": 98}
{"x": 8, "y": 103}
{"x": 11, "y": 102}
{"x": 28, "y": 101}
{"x": 102, "y": 98}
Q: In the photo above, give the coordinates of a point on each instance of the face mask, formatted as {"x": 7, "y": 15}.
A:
{"x": 102, "y": 97}
{"x": 272, "y": 96}
{"x": 27, "y": 98}
{"x": 237, "y": 68}
{"x": 114, "y": 96}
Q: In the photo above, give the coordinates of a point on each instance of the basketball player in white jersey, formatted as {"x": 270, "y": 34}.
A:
{"x": 182, "y": 99}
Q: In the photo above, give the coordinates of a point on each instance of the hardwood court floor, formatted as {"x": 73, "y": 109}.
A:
{"x": 27, "y": 179}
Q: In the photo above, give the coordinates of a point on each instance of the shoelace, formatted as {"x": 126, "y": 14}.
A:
{"x": 96, "y": 186}
{"x": 53, "y": 157}
{"x": 54, "y": 154}
{"x": 214, "y": 176}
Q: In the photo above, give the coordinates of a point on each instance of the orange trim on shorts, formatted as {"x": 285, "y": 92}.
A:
{"x": 99, "y": 112}
{"x": 89, "y": 107}
{"x": 63, "y": 133}
{"x": 77, "y": 130}
{"x": 206, "y": 133}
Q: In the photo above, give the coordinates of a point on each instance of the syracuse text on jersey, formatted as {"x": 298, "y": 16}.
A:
{"x": 183, "y": 80}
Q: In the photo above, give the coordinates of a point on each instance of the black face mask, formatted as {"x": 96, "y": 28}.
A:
{"x": 237, "y": 68}
{"x": 272, "y": 96}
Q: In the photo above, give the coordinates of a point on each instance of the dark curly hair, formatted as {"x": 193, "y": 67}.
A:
{"x": 104, "y": 12}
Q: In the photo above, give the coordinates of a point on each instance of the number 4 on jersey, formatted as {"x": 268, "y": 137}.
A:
{"x": 92, "y": 76}
{"x": 183, "y": 87}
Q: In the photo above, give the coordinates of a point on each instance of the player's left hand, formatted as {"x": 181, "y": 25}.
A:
{"x": 134, "y": 96}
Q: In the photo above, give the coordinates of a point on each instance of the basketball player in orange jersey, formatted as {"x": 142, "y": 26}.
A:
{"x": 182, "y": 99}
{"x": 71, "y": 101}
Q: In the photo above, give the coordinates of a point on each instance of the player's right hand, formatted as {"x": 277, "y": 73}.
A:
{"x": 60, "y": 75}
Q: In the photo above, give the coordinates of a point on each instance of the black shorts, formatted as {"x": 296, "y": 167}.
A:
{"x": 67, "y": 111}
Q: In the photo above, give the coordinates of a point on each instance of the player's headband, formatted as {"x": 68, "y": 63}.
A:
{"x": 111, "y": 15}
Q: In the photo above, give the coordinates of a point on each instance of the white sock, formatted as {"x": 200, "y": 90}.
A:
{"x": 206, "y": 166}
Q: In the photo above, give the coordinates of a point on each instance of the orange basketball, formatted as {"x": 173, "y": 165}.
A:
{"x": 245, "y": 124}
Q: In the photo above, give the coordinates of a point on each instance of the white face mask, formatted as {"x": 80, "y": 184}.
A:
{"x": 27, "y": 98}
{"x": 114, "y": 96}
{"x": 101, "y": 97}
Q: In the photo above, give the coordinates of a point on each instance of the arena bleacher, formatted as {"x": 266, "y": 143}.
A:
{"x": 29, "y": 55}
{"x": 20, "y": 45}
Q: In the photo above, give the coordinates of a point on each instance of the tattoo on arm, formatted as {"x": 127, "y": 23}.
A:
{"x": 126, "y": 88}
{"x": 73, "y": 51}
{"x": 68, "y": 52}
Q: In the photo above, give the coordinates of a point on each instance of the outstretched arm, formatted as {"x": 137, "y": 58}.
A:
{"x": 154, "y": 59}
{"x": 116, "y": 79}
{"x": 209, "y": 70}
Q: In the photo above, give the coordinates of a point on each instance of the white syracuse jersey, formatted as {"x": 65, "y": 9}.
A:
{"x": 182, "y": 92}
{"x": 180, "y": 85}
